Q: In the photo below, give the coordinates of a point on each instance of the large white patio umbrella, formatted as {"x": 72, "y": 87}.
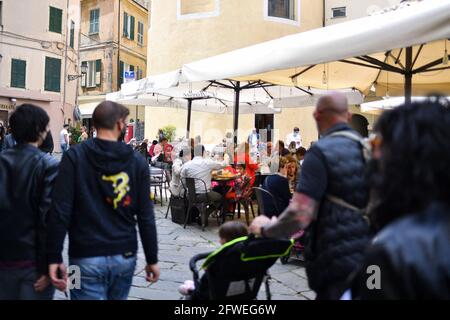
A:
{"x": 399, "y": 51}
{"x": 220, "y": 97}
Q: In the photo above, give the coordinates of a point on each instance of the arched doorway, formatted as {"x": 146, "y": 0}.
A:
{"x": 360, "y": 124}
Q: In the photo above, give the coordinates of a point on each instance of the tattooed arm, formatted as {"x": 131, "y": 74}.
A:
{"x": 300, "y": 213}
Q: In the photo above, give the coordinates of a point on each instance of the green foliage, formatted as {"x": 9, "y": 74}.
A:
{"x": 75, "y": 134}
{"x": 169, "y": 132}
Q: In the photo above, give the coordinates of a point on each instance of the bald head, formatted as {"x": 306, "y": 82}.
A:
{"x": 331, "y": 110}
{"x": 334, "y": 102}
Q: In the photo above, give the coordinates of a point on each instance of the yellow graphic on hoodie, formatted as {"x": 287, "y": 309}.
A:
{"x": 120, "y": 184}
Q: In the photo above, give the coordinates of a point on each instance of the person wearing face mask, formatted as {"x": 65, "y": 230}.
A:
{"x": 102, "y": 190}
{"x": 26, "y": 179}
{"x": 294, "y": 136}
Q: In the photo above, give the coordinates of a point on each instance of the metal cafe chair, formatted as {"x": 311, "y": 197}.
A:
{"x": 157, "y": 182}
{"x": 260, "y": 194}
{"x": 194, "y": 202}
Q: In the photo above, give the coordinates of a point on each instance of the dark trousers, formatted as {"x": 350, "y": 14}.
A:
{"x": 331, "y": 292}
{"x": 215, "y": 199}
{"x": 18, "y": 284}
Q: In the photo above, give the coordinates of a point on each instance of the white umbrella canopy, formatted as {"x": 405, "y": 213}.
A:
{"x": 356, "y": 54}
{"x": 222, "y": 95}
{"x": 377, "y": 107}
{"x": 202, "y": 103}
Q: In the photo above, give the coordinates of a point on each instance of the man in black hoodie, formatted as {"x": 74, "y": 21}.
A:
{"x": 102, "y": 189}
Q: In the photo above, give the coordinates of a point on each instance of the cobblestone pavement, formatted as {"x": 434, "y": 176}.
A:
{"x": 178, "y": 245}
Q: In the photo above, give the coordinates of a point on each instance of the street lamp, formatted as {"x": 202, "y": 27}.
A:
{"x": 84, "y": 69}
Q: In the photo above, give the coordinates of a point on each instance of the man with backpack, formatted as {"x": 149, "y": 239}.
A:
{"x": 329, "y": 202}
{"x": 102, "y": 190}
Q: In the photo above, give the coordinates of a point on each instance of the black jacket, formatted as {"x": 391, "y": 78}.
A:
{"x": 102, "y": 190}
{"x": 26, "y": 179}
{"x": 413, "y": 255}
{"x": 278, "y": 186}
{"x": 336, "y": 241}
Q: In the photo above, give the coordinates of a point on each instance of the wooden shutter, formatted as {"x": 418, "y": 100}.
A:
{"x": 132, "y": 22}
{"x": 55, "y": 23}
{"x": 125, "y": 24}
{"x": 121, "y": 69}
{"x": 93, "y": 18}
{"x": 132, "y": 69}
{"x": 72, "y": 34}
{"x": 18, "y": 73}
{"x": 98, "y": 72}
{"x": 52, "y": 74}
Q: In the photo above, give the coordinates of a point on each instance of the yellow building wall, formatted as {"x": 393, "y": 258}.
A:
{"x": 177, "y": 38}
{"x": 355, "y": 9}
{"x": 194, "y": 6}
{"x": 141, "y": 15}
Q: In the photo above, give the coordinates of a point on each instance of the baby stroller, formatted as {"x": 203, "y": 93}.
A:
{"x": 297, "y": 249}
{"x": 237, "y": 270}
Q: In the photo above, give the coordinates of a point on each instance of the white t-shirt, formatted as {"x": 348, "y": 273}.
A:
{"x": 62, "y": 134}
{"x": 297, "y": 138}
{"x": 201, "y": 168}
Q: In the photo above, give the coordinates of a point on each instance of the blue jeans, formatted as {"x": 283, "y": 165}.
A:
{"x": 64, "y": 148}
{"x": 104, "y": 278}
{"x": 18, "y": 284}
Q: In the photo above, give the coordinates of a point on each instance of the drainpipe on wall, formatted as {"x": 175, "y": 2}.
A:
{"x": 118, "y": 47}
{"x": 77, "y": 92}
{"x": 324, "y": 15}
{"x": 65, "y": 62}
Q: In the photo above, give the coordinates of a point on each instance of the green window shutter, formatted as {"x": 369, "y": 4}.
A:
{"x": 98, "y": 72}
{"x": 92, "y": 21}
{"x": 84, "y": 77}
{"x": 121, "y": 69}
{"x": 132, "y": 70}
{"x": 72, "y": 34}
{"x": 132, "y": 22}
{"x": 125, "y": 24}
{"x": 55, "y": 23}
{"x": 18, "y": 73}
{"x": 52, "y": 74}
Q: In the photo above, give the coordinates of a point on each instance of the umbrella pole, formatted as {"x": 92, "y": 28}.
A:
{"x": 408, "y": 75}
{"x": 237, "y": 92}
{"x": 189, "y": 112}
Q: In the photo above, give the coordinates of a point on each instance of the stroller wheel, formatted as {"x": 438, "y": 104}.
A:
{"x": 285, "y": 259}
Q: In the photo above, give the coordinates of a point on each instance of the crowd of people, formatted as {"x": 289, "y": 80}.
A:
{"x": 361, "y": 203}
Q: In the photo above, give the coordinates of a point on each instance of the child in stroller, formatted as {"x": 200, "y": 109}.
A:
{"x": 236, "y": 270}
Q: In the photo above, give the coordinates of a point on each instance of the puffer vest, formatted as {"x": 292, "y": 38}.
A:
{"x": 336, "y": 241}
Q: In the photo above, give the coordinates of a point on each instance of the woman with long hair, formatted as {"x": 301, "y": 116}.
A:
{"x": 410, "y": 256}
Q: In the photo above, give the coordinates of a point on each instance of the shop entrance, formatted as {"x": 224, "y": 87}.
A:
{"x": 264, "y": 126}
